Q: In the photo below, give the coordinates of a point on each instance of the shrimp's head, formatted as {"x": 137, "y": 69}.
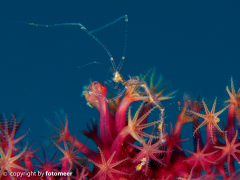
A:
{"x": 117, "y": 77}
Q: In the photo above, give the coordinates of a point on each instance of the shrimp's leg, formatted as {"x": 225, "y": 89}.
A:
{"x": 154, "y": 100}
{"x": 100, "y": 95}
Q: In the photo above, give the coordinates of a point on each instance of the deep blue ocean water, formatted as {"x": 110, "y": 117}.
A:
{"x": 193, "y": 44}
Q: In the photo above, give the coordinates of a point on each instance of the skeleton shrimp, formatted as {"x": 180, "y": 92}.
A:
{"x": 117, "y": 77}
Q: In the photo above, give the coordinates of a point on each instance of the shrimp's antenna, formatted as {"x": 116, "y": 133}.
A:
{"x": 96, "y": 62}
{"x": 86, "y": 31}
{"x": 90, "y": 33}
{"x": 109, "y": 24}
{"x": 125, "y": 44}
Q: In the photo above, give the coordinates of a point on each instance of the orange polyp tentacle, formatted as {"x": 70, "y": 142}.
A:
{"x": 211, "y": 136}
{"x": 211, "y": 119}
{"x": 70, "y": 157}
{"x": 64, "y": 135}
{"x": 201, "y": 158}
{"x": 28, "y": 155}
{"x": 107, "y": 166}
{"x": 47, "y": 165}
{"x": 8, "y": 160}
{"x": 148, "y": 151}
{"x": 8, "y": 131}
{"x": 234, "y": 97}
{"x": 234, "y": 105}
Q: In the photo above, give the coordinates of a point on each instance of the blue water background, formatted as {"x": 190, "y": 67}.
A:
{"x": 193, "y": 44}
